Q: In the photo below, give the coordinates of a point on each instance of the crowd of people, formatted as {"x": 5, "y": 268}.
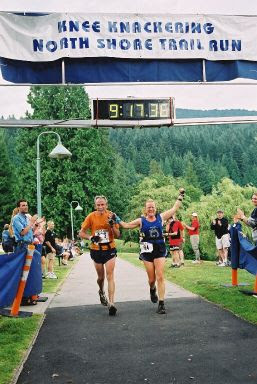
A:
{"x": 101, "y": 227}
{"x": 25, "y": 229}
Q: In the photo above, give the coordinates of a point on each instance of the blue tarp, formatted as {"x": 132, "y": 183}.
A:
{"x": 243, "y": 252}
{"x": 102, "y": 70}
{"x": 11, "y": 266}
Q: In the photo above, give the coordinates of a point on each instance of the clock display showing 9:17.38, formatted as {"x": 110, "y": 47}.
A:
{"x": 136, "y": 109}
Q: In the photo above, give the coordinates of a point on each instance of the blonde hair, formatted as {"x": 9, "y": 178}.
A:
{"x": 148, "y": 201}
{"x": 14, "y": 213}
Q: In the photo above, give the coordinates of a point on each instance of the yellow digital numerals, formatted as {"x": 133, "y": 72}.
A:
{"x": 114, "y": 111}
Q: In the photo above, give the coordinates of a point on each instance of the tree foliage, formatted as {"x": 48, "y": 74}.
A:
{"x": 90, "y": 171}
{"x": 7, "y": 182}
{"x": 204, "y": 154}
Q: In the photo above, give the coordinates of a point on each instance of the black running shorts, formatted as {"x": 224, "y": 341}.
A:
{"x": 101, "y": 257}
{"x": 159, "y": 250}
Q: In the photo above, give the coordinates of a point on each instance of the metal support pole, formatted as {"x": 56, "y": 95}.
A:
{"x": 39, "y": 204}
{"x": 63, "y": 72}
{"x": 78, "y": 208}
{"x": 72, "y": 228}
{"x": 204, "y": 71}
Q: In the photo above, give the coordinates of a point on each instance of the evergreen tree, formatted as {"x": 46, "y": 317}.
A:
{"x": 155, "y": 168}
{"x": 87, "y": 173}
{"x": 189, "y": 171}
{"x": 167, "y": 170}
{"x": 7, "y": 183}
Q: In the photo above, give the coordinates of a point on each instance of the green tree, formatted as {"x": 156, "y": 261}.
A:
{"x": 87, "y": 173}
{"x": 7, "y": 182}
{"x": 189, "y": 171}
{"x": 167, "y": 170}
{"x": 226, "y": 195}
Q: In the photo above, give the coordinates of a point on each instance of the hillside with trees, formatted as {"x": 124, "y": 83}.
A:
{"x": 203, "y": 154}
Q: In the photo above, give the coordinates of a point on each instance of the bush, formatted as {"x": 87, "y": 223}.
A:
{"x": 128, "y": 247}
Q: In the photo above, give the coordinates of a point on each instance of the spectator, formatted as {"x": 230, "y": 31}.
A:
{"x": 251, "y": 221}
{"x": 175, "y": 231}
{"x": 39, "y": 237}
{"x": 7, "y": 240}
{"x": 68, "y": 247}
{"x": 50, "y": 245}
{"x": 22, "y": 225}
{"x": 221, "y": 228}
{"x": 61, "y": 251}
{"x": 103, "y": 252}
{"x": 14, "y": 213}
{"x": 193, "y": 231}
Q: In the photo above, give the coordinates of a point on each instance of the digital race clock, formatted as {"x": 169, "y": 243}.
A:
{"x": 133, "y": 109}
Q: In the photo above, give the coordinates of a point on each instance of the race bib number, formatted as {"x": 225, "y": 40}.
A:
{"x": 104, "y": 236}
{"x": 146, "y": 247}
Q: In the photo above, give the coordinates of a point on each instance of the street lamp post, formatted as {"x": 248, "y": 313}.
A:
{"x": 77, "y": 208}
{"x": 59, "y": 152}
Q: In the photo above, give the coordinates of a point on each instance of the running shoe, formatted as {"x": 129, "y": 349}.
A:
{"x": 153, "y": 295}
{"x": 51, "y": 275}
{"x": 103, "y": 298}
{"x": 222, "y": 265}
{"x": 112, "y": 310}
{"x": 161, "y": 309}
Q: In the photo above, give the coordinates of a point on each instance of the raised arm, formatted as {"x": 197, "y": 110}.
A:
{"x": 170, "y": 212}
{"x": 188, "y": 227}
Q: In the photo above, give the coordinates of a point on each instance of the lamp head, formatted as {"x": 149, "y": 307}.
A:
{"x": 78, "y": 208}
{"x": 60, "y": 152}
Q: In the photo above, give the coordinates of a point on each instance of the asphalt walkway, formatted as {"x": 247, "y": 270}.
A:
{"x": 195, "y": 342}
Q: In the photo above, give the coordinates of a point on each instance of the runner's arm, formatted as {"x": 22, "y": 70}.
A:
{"x": 116, "y": 231}
{"x": 170, "y": 212}
{"x": 84, "y": 235}
{"x": 131, "y": 225}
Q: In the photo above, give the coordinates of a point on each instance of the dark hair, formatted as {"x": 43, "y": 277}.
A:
{"x": 21, "y": 201}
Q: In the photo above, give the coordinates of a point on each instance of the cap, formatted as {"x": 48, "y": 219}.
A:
{"x": 220, "y": 210}
{"x": 194, "y": 214}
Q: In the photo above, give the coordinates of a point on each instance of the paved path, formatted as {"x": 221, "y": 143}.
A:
{"x": 196, "y": 342}
{"x": 131, "y": 285}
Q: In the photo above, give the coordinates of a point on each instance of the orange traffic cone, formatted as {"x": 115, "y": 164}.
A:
{"x": 14, "y": 312}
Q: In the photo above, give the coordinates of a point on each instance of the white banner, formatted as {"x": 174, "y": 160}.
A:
{"x": 128, "y": 36}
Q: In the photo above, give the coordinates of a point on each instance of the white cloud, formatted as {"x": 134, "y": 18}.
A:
{"x": 192, "y": 96}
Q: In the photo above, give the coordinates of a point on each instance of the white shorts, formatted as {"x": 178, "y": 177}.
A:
{"x": 223, "y": 242}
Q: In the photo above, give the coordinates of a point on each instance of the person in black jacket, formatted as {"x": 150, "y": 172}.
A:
{"x": 221, "y": 228}
{"x": 252, "y": 220}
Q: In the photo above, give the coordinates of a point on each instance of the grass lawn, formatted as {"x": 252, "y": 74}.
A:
{"x": 17, "y": 334}
{"x": 206, "y": 280}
